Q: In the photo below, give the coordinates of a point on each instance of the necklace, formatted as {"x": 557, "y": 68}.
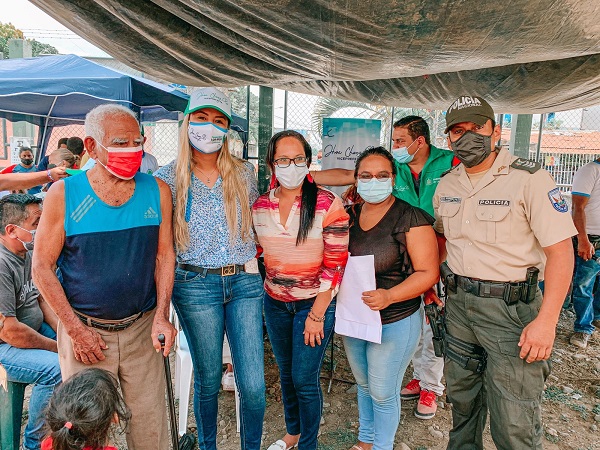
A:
{"x": 204, "y": 173}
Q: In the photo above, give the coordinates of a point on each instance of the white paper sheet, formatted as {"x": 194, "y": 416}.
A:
{"x": 352, "y": 317}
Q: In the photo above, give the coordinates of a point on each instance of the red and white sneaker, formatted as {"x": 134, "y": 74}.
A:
{"x": 427, "y": 406}
{"x": 411, "y": 391}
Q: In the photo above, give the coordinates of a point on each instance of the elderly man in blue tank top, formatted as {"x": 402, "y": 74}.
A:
{"x": 109, "y": 232}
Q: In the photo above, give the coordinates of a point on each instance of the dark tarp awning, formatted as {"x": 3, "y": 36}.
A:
{"x": 522, "y": 55}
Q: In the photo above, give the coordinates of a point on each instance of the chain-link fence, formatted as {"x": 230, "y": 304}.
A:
{"x": 562, "y": 141}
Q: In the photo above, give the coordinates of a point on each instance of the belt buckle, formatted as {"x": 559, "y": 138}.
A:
{"x": 228, "y": 270}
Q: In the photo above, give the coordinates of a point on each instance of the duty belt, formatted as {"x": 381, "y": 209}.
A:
{"x": 225, "y": 271}
{"x": 108, "y": 325}
{"x": 511, "y": 293}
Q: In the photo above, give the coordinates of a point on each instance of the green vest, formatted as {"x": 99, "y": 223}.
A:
{"x": 438, "y": 162}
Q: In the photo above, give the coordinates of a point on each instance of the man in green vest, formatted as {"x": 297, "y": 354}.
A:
{"x": 420, "y": 166}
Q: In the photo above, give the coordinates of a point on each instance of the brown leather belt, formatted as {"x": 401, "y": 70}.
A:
{"x": 108, "y": 325}
{"x": 225, "y": 271}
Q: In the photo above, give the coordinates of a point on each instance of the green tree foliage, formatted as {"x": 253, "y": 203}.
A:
{"x": 238, "y": 106}
{"x": 9, "y": 31}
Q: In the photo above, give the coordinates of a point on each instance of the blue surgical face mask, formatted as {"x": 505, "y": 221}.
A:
{"x": 374, "y": 191}
{"x": 401, "y": 154}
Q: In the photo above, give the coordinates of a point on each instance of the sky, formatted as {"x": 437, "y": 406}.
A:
{"x": 37, "y": 25}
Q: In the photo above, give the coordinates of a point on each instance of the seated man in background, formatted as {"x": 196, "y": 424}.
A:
{"x": 28, "y": 348}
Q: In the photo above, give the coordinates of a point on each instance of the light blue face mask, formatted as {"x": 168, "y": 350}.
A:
{"x": 374, "y": 191}
{"x": 401, "y": 154}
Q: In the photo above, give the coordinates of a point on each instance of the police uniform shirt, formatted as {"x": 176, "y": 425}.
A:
{"x": 496, "y": 229}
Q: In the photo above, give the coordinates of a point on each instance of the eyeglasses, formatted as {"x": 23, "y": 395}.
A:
{"x": 381, "y": 176}
{"x": 299, "y": 161}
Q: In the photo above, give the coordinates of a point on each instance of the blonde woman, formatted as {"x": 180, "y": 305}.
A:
{"x": 217, "y": 285}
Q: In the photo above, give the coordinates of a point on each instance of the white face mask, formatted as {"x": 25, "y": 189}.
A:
{"x": 206, "y": 137}
{"x": 292, "y": 176}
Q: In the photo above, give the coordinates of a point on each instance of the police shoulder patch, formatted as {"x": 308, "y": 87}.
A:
{"x": 526, "y": 164}
{"x": 558, "y": 201}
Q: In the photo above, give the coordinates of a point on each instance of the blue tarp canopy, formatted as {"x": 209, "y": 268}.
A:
{"x": 55, "y": 90}
{"x": 51, "y": 91}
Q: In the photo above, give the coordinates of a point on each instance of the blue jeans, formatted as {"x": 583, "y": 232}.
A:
{"x": 379, "y": 370}
{"x": 299, "y": 365}
{"x": 585, "y": 302}
{"x": 209, "y": 305}
{"x": 37, "y": 367}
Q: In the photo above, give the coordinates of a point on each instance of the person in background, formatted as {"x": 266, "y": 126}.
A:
{"x": 27, "y": 166}
{"x": 218, "y": 288}
{"x": 403, "y": 243}
{"x": 43, "y": 164}
{"x": 303, "y": 232}
{"x": 75, "y": 146}
{"x": 84, "y": 410}
{"x": 586, "y": 216}
{"x": 28, "y": 349}
{"x": 149, "y": 162}
{"x": 60, "y": 158}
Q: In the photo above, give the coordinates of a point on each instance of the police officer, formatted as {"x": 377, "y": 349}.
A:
{"x": 501, "y": 216}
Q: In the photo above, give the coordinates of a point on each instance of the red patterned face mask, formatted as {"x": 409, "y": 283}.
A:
{"x": 123, "y": 162}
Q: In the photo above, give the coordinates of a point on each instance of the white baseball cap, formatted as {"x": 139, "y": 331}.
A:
{"x": 209, "y": 97}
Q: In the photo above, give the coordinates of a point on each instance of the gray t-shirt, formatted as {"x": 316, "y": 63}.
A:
{"x": 18, "y": 294}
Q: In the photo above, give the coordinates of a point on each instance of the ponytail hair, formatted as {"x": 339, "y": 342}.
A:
{"x": 82, "y": 410}
{"x": 65, "y": 155}
{"x": 308, "y": 203}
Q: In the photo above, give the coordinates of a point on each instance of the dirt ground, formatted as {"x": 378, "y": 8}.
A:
{"x": 571, "y": 408}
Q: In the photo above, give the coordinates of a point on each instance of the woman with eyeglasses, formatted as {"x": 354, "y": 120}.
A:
{"x": 404, "y": 246}
{"x": 303, "y": 232}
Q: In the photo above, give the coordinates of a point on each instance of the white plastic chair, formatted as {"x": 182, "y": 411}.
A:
{"x": 183, "y": 376}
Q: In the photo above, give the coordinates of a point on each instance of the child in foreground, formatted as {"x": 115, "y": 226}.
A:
{"x": 82, "y": 412}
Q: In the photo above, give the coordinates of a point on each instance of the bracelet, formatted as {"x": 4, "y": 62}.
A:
{"x": 312, "y": 316}
{"x": 50, "y": 175}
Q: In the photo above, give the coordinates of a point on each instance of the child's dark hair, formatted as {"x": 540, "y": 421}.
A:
{"x": 82, "y": 410}
{"x": 351, "y": 195}
{"x": 309, "y": 187}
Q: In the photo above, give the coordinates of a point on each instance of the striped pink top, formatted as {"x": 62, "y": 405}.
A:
{"x": 316, "y": 265}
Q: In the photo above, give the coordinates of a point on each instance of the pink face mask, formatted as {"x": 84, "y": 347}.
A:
{"x": 123, "y": 162}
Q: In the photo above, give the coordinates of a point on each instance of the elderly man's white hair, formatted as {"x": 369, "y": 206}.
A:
{"x": 95, "y": 118}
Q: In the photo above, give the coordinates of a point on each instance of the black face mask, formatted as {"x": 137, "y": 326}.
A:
{"x": 26, "y": 161}
{"x": 472, "y": 148}
{"x": 51, "y": 166}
